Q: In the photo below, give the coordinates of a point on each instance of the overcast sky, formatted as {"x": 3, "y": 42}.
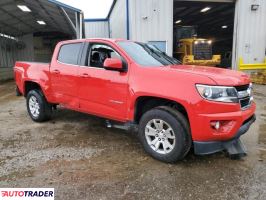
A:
{"x": 91, "y": 8}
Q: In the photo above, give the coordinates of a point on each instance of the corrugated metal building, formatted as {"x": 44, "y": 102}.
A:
{"x": 118, "y": 20}
{"x": 29, "y": 30}
{"x": 97, "y": 28}
{"x": 249, "y": 32}
{"x": 154, "y": 21}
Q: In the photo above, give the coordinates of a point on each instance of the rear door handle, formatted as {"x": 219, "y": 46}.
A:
{"x": 56, "y": 71}
{"x": 85, "y": 75}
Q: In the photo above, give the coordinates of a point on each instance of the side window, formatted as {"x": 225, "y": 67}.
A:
{"x": 98, "y": 53}
{"x": 69, "y": 53}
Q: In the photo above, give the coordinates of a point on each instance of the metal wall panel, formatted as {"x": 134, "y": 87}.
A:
{"x": 12, "y": 51}
{"x": 7, "y": 52}
{"x": 27, "y": 53}
{"x": 97, "y": 29}
{"x": 118, "y": 20}
{"x": 6, "y": 73}
{"x": 249, "y": 32}
{"x": 152, "y": 20}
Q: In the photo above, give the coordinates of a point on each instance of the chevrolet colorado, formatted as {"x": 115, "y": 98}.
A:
{"x": 175, "y": 107}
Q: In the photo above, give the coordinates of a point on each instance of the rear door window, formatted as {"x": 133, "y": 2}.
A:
{"x": 69, "y": 53}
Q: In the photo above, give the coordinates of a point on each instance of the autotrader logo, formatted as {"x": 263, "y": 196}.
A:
{"x": 27, "y": 193}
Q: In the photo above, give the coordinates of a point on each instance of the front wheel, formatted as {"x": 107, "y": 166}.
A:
{"x": 38, "y": 107}
{"x": 164, "y": 134}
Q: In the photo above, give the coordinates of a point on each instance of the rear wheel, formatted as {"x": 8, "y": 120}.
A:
{"x": 38, "y": 107}
{"x": 164, "y": 134}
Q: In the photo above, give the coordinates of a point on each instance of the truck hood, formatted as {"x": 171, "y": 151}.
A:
{"x": 220, "y": 76}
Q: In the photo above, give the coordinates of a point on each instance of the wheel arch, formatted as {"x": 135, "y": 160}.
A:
{"x": 145, "y": 103}
{"x": 31, "y": 85}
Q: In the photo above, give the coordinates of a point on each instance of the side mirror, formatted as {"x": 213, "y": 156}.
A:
{"x": 113, "y": 64}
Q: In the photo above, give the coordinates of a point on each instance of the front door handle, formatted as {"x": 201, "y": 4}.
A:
{"x": 85, "y": 75}
{"x": 56, "y": 71}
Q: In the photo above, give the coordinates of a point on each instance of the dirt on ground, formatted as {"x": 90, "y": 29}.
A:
{"x": 82, "y": 159}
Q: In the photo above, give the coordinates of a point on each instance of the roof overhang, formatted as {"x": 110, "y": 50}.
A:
{"x": 58, "y": 17}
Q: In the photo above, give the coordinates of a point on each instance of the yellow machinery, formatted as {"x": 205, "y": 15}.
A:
{"x": 197, "y": 51}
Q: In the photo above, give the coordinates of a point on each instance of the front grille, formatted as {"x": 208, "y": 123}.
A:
{"x": 244, "y": 102}
{"x": 244, "y": 95}
{"x": 202, "y": 51}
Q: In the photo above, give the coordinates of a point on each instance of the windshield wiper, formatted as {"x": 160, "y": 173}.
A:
{"x": 172, "y": 61}
{"x": 154, "y": 54}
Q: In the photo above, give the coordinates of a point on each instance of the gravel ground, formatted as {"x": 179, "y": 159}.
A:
{"x": 82, "y": 159}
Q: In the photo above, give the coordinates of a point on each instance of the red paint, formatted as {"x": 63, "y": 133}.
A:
{"x": 113, "y": 94}
{"x": 113, "y": 63}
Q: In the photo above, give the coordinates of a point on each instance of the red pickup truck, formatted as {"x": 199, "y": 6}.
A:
{"x": 175, "y": 107}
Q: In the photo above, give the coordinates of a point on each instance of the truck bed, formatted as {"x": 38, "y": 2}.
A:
{"x": 24, "y": 71}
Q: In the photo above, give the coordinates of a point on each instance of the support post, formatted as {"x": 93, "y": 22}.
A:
{"x": 70, "y": 22}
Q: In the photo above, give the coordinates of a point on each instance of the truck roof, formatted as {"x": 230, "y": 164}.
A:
{"x": 92, "y": 39}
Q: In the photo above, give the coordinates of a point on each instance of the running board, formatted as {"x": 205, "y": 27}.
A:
{"x": 128, "y": 126}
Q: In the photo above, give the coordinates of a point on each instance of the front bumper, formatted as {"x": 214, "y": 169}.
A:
{"x": 230, "y": 116}
{"x": 232, "y": 146}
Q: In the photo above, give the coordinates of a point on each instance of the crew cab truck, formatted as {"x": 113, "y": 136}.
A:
{"x": 174, "y": 106}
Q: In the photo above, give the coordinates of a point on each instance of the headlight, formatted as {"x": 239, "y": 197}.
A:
{"x": 218, "y": 93}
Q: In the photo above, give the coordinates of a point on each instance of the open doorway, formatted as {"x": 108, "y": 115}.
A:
{"x": 203, "y": 32}
{"x": 44, "y": 44}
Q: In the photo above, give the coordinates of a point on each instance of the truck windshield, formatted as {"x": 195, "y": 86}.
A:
{"x": 146, "y": 55}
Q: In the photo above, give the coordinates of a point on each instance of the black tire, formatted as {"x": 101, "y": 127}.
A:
{"x": 181, "y": 131}
{"x": 45, "y": 109}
